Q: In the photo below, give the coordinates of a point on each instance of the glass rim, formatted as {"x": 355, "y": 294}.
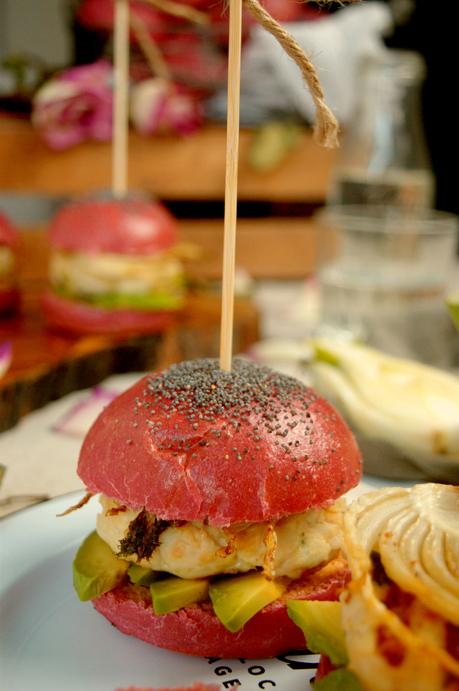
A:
{"x": 388, "y": 220}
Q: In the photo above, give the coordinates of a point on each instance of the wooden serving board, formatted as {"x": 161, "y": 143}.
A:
{"x": 47, "y": 364}
{"x": 165, "y": 165}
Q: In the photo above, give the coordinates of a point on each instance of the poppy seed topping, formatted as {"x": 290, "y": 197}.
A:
{"x": 200, "y": 390}
{"x": 246, "y": 445}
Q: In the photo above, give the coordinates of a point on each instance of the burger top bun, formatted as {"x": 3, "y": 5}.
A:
{"x": 197, "y": 443}
{"x": 8, "y": 234}
{"x": 124, "y": 226}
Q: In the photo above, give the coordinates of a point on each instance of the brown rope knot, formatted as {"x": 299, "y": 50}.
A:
{"x": 326, "y": 127}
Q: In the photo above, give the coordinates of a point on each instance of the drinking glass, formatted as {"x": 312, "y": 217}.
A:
{"x": 384, "y": 277}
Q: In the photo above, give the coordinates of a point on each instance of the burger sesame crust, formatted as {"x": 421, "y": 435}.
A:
{"x": 198, "y": 443}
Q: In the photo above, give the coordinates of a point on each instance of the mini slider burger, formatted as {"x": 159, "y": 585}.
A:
{"x": 113, "y": 267}
{"x": 218, "y": 503}
{"x": 8, "y": 244}
{"x": 397, "y": 625}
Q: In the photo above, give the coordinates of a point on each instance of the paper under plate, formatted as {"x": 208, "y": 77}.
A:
{"x": 49, "y": 641}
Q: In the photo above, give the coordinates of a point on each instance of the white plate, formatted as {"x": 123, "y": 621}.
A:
{"x": 50, "y": 641}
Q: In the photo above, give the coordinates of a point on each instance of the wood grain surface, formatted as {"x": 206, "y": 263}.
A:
{"x": 170, "y": 167}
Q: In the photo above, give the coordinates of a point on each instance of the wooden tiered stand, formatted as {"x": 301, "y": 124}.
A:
{"x": 46, "y": 365}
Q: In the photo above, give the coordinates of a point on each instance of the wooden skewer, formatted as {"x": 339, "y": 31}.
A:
{"x": 151, "y": 51}
{"x": 232, "y": 151}
{"x": 120, "y": 99}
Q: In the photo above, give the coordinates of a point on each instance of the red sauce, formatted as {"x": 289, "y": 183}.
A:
{"x": 399, "y": 602}
{"x": 390, "y": 647}
{"x": 452, "y": 641}
{"x": 452, "y": 684}
{"x": 324, "y": 668}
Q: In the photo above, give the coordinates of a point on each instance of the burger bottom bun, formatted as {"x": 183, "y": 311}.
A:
{"x": 9, "y": 300}
{"x": 195, "y": 630}
{"x": 78, "y": 317}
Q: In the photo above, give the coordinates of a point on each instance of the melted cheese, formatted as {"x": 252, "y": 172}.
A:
{"x": 195, "y": 550}
{"x": 96, "y": 274}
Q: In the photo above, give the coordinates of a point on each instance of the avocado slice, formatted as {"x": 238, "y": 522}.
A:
{"x": 320, "y": 622}
{"x": 239, "y": 598}
{"x": 139, "y": 575}
{"x": 170, "y": 299}
{"x": 453, "y": 306}
{"x": 171, "y": 594}
{"x": 96, "y": 569}
{"x": 339, "y": 680}
{"x": 150, "y": 301}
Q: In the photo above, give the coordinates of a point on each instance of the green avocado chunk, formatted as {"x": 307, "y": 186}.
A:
{"x": 151, "y": 301}
{"x": 320, "y": 622}
{"x": 96, "y": 569}
{"x": 453, "y": 306}
{"x": 166, "y": 300}
{"x": 171, "y": 594}
{"x": 139, "y": 575}
{"x": 237, "y": 599}
{"x": 339, "y": 680}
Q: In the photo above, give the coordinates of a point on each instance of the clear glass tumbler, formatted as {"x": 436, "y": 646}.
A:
{"x": 384, "y": 277}
{"x": 383, "y": 158}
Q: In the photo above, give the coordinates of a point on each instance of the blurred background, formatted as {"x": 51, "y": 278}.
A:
{"x": 355, "y": 246}
{"x": 54, "y": 34}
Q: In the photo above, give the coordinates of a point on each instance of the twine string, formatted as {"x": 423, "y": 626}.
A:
{"x": 177, "y": 9}
{"x": 326, "y": 127}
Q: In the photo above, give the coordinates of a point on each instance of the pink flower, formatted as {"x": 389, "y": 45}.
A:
{"x": 159, "y": 106}
{"x": 75, "y": 105}
{"x": 6, "y": 353}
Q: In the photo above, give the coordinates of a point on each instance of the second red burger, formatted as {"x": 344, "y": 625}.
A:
{"x": 113, "y": 268}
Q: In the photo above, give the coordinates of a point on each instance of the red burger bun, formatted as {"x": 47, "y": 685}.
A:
{"x": 9, "y": 294}
{"x": 132, "y": 226}
{"x": 8, "y": 234}
{"x": 79, "y": 317}
{"x": 196, "y": 443}
{"x": 9, "y": 300}
{"x": 195, "y": 630}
